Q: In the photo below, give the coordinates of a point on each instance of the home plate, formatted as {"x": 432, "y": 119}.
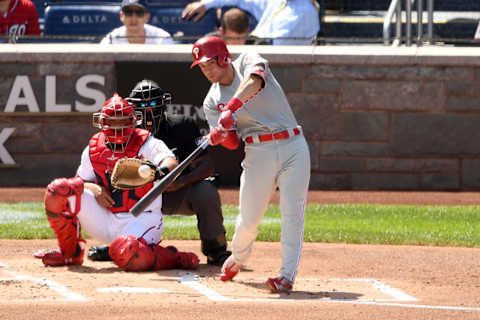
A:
{"x": 132, "y": 290}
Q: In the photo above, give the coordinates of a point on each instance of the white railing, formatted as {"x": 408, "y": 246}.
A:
{"x": 395, "y": 9}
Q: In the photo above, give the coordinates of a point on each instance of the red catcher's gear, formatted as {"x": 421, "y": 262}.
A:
{"x": 210, "y": 47}
{"x": 133, "y": 254}
{"x": 117, "y": 120}
{"x": 103, "y": 160}
{"x": 64, "y": 222}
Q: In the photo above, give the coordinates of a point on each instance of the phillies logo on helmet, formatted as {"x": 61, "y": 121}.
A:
{"x": 196, "y": 51}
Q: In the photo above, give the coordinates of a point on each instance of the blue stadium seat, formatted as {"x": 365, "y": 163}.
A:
{"x": 90, "y": 2}
{"x": 170, "y": 19}
{"x": 81, "y": 20}
{"x": 40, "y": 5}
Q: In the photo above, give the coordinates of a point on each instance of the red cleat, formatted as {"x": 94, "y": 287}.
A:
{"x": 55, "y": 258}
{"x": 279, "y": 285}
{"x": 230, "y": 269}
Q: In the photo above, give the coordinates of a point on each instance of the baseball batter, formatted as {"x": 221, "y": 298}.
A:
{"x": 89, "y": 200}
{"x": 246, "y": 101}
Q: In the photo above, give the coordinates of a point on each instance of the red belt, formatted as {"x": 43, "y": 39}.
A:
{"x": 273, "y": 136}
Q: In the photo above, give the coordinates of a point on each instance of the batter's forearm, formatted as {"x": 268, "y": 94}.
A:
{"x": 248, "y": 88}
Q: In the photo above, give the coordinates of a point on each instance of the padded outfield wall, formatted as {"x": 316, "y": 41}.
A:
{"x": 374, "y": 117}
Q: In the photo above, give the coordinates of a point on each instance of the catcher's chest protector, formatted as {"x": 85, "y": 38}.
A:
{"x": 103, "y": 160}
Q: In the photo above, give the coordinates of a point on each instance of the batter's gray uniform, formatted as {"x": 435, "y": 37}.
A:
{"x": 282, "y": 163}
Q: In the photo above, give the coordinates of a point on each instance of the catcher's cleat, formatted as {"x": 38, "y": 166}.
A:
{"x": 230, "y": 269}
{"x": 218, "y": 258}
{"x": 99, "y": 253}
{"x": 279, "y": 285}
{"x": 187, "y": 260}
{"x": 55, "y": 258}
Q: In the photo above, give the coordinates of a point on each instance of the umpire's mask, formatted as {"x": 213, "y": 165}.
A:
{"x": 148, "y": 98}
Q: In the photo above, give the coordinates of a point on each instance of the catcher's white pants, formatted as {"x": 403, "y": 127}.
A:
{"x": 282, "y": 163}
{"x": 101, "y": 224}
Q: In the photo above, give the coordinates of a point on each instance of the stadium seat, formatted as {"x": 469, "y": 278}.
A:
{"x": 40, "y": 5}
{"x": 81, "y": 20}
{"x": 170, "y": 19}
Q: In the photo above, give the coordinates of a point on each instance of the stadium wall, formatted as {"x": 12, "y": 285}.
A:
{"x": 375, "y": 117}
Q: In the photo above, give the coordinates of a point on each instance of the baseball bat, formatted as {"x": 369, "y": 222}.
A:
{"x": 151, "y": 195}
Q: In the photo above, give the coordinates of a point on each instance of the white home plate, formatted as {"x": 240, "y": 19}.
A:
{"x": 132, "y": 290}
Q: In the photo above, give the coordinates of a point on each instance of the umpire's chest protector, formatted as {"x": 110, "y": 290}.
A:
{"x": 103, "y": 160}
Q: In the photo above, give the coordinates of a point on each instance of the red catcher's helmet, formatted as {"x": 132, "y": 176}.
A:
{"x": 117, "y": 120}
{"x": 210, "y": 47}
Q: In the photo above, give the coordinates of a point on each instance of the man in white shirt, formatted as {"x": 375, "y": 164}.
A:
{"x": 135, "y": 30}
{"x": 286, "y": 22}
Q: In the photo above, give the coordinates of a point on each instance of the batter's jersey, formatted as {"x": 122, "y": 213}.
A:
{"x": 20, "y": 19}
{"x": 153, "y": 150}
{"x": 153, "y": 35}
{"x": 267, "y": 112}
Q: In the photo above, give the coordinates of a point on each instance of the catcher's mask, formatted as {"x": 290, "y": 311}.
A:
{"x": 117, "y": 120}
{"x": 210, "y": 47}
{"x": 148, "y": 98}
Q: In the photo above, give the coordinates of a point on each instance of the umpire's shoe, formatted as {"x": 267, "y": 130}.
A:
{"x": 99, "y": 253}
{"x": 218, "y": 258}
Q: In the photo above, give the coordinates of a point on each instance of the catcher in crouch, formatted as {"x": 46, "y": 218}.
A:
{"x": 91, "y": 200}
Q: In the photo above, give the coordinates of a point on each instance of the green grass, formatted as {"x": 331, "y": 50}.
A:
{"x": 373, "y": 224}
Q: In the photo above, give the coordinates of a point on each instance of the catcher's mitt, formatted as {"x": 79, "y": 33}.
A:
{"x": 125, "y": 174}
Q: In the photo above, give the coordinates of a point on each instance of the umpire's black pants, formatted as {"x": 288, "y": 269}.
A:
{"x": 203, "y": 200}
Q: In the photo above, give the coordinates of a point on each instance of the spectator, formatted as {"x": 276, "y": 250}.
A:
{"x": 234, "y": 26}
{"x": 135, "y": 30}
{"x": 286, "y": 22}
{"x": 18, "y": 18}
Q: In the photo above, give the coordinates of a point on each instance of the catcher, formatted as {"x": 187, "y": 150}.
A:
{"x": 193, "y": 191}
{"x": 98, "y": 199}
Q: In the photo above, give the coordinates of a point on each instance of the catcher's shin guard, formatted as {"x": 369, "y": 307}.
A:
{"x": 64, "y": 222}
{"x": 131, "y": 254}
{"x": 170, "y": 257}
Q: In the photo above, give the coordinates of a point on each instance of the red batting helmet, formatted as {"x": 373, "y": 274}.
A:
{"x": 210, "y": 47}
{"x": 117, "y": 119}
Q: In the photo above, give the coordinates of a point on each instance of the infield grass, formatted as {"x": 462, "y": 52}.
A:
{"x": 345, "y": 223}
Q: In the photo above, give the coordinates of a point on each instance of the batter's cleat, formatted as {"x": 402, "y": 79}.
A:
{"x": 279, "y": 285}
{"x": 218, "y": 259}
{"x": 99, "y": 253}
{"x": 55, "y": 258}
{"x": 230, "y": 269}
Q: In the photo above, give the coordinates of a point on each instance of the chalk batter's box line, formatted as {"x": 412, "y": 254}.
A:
{"x": 58, "y": 288}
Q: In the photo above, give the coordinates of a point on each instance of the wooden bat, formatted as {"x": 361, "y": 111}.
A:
{"x": 151, "y": 195}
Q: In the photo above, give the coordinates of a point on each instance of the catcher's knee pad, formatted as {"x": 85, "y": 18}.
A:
{"x": 131, "y": 254}
{"x": 57, "y": 193}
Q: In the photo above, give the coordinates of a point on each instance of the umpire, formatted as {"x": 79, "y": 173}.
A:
{"x": 193, "y": 192}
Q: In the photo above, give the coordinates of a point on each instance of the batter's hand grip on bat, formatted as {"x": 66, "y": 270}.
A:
{"x": 147, "y": 199}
